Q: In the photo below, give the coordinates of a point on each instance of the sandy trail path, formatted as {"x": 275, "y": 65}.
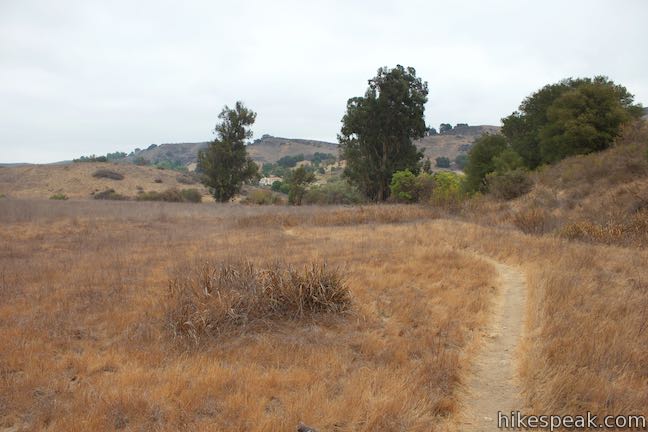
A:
{"x": 493, "y": 385}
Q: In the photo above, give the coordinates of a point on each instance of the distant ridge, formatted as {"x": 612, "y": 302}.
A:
{"x": 265, "y": 149}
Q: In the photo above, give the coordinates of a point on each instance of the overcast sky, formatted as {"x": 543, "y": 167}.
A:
{"x": 82, "y": 77}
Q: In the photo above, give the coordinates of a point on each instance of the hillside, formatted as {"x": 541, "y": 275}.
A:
{"x": 453, "y": 143}
{"x": 77, "y": 182}
{"x": 600, "y": 197}
{"x": 265, "y": 149}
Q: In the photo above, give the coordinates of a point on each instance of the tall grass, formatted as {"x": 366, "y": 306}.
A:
{"x": 221, "y": 297}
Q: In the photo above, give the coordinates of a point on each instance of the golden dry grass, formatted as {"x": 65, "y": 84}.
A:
{"x": 86, "y": 345}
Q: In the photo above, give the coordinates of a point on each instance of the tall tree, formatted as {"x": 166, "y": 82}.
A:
{"x": 225, "y": 164}
{"x": 297, "y": 181}
{"x": 378, "y": 129}
{"x": 573, "y": 116}
{"x": 482, "y": 160}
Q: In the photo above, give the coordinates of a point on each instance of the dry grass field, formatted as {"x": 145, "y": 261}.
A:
{"x": 87, "y": 343}
{"x": 91, "y": 338}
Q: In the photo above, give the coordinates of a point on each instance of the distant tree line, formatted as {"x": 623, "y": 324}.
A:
{"x": 109, "y": 157}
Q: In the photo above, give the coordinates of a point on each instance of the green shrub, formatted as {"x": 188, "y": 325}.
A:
{"x": 442, "y": 162}
{"x": 105, "y": 173}
{"x": 337, "y": 192}
{"x": 59, "y": 197}
{"x": 406, "y": 187}
{"x": 509, "y": 185}
{"x": 110, "y": 194}
{"x": 403, "y": 186}
{"x": 448, "y": 189}
{"x": 461, "y": 161}
{"x": 276, "y": 185}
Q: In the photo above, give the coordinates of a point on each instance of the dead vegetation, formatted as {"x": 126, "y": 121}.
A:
{"x": 218, "y": 298}
{"x": 87, "y": 343}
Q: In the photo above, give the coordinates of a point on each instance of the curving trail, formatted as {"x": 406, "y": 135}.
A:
{"x": 493, "y": 385}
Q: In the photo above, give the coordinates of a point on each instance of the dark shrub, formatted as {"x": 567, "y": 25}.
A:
{"x": 191, "y": 195}
{"x": 262, "y": 197}
{"x": 171, "y": 195}
{"x": 509, "y": 185}
{"x": 105, "y": 173}
{"x": 110, "y": 194}
{"x": 339, "y": 192}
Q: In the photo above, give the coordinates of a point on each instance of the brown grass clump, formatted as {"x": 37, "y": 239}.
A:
{"x": 533, "y": 221}
{"x": 220, "y": 297}
{"x": 109, "y": 174}
{"x": 633, "y": 231}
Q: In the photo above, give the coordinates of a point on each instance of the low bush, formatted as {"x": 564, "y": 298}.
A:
{"x": 105, "y": 173}
{"x": 510, "y": 184}
{"x": 408, "y": 188}
{"x": 221, "y": 297}
{"x": 262, "y": 197}
{"x": 448, "y": 191}
{"x": 109, "y": 194}
{"x": 191, "y": 195}
{"x": 59, "y": 197}
{"x": 337, "y": 192}
{"x": 171, "y": 195}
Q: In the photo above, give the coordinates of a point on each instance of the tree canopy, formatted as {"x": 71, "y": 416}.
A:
{"x": 225, "y": 164}
{"x": 378, "y": 129}
{"x": 482, "y": 160}
{"x": 574, "y": 116}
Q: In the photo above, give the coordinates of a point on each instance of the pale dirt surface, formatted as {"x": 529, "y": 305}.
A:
{"x": 493, "y": 385}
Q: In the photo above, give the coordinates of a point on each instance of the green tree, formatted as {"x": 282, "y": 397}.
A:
{"x": 481, "y": 160}
{"x": 442, "y": 162}
{"x": 445, "y": 128}
{"x": 461, "y": 161}
{"x": 378, "y": 129}
{"x": 225, "y": 164}
{"x": 507, "y": 160}
{"x": 297, "y": 182}
{"x": 572, "y": 116}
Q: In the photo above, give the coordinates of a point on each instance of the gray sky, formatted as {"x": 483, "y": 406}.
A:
{"x": 82, "y": 77}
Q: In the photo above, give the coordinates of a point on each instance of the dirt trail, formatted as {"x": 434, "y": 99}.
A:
{"x": 493, "y": 384}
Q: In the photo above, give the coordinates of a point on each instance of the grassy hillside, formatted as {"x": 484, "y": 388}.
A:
{"x": 601, "y": 197}
{"x": 76, "y": 180}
